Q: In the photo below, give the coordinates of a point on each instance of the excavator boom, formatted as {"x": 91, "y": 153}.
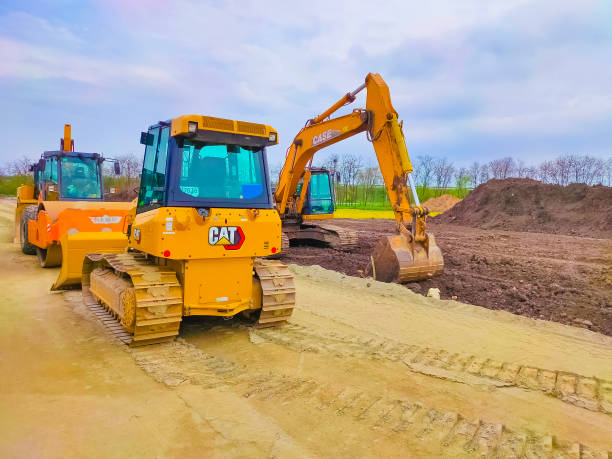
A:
{"x": 410, "y": 255}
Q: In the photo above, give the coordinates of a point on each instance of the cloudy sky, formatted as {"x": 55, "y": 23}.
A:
{"x": 472, "y": 80}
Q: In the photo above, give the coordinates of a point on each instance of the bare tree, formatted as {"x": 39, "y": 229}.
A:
{"x": 502, "y": 168}
{"x": 443, "y": 172}
{"x": 349, "y": 168}
{"x": 368, "y": 178}
{"x": 423, "y": 170}
{"x": 20, "y": 166}
{"x": 607, "y": 173}
{"x": 474, "y": 173}
{"x": 521, "y": 170}
{"x": 484, "y": 173}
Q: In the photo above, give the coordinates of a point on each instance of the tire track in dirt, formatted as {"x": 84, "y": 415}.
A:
{"x": 586, "y": 392}
{"x": 179, "y": 362}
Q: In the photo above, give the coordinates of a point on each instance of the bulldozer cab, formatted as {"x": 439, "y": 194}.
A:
{"x": 320, "y": 194}
{"x": 204, "y": 168}
{"x": 68, "y": 176}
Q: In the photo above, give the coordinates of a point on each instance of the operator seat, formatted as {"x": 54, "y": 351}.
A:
{"x": 212, "y": 174}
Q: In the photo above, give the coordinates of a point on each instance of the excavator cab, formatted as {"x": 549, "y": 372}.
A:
{"x": 319, "y": 195}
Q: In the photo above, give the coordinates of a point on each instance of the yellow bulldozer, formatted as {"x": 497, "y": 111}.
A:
{"x": 203, "y": 221}
{"x": 304, "y": 199}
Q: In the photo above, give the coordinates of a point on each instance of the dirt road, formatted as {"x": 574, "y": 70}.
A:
{"x": 566, "y": 279}
{"x": 364, "y": 369}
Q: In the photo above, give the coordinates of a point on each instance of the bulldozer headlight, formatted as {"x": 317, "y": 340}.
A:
{"x": 192, "y": 127}
{"x": 272, "y": 137}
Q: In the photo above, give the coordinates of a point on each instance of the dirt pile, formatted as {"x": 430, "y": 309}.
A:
{"x": 441, "y": 203}
{"x": 529, "y": 205}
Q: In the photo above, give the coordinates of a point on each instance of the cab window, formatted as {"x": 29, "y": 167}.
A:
{"x": 153, "y": 180}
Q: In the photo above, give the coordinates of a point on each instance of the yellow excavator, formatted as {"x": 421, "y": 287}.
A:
{"x": 203, "y": 221}
{"x": 304, "y": 199}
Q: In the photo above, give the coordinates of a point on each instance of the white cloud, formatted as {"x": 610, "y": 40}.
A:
{"x": 455, "y": 68}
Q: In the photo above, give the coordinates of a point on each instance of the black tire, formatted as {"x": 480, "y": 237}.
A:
{"x": 29, "y": 213}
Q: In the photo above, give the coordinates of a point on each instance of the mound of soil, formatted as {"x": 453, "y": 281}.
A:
{"x": 441, "y": 203}
{"x": 532, "y": 206}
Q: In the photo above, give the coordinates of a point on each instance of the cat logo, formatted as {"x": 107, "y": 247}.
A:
{"x": 230, "y": 237}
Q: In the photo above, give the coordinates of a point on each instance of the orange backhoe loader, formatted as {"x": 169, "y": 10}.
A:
{"x": 56, "y": 217}
{"x": 304, "y": 199}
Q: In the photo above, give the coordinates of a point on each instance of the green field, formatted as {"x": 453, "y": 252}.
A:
{"x": 10, "y": 183}
{"x": 376, "y": 198}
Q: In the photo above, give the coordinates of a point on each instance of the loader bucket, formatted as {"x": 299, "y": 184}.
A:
{"x": 76, "y": 246}
{"x": 396, "y": 259}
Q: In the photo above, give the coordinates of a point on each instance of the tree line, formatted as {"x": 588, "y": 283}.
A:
{"x": 356, "y": 182}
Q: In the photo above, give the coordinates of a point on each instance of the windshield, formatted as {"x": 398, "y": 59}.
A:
{"x": 80, "y": 178}
{"x": 320, "y": 195}
{"x": 222, "y": 172}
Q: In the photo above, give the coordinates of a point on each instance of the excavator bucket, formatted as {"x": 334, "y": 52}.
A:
{"x": 397, "y": 259}
{"x": 76, "y": 246}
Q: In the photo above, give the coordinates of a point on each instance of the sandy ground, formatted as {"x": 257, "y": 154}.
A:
{"x": 363, "y": 369}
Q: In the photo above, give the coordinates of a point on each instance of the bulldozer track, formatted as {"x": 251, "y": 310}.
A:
{"x": 179, "y": 362}
{"x": 278, "y": 291}
{"x": 591, "y": 393}
{"x": 157, "y": 313}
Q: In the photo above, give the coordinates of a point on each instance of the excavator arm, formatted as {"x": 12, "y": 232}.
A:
{"x": 412, "y": 254}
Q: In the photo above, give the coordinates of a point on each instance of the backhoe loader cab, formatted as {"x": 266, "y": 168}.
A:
{"x": 204, "y": 215}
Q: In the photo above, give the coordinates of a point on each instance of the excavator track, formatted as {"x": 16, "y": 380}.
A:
{"x": 139, "y": 302}
{"x": 342, "y": 239}
{"x": 278, "y": 292}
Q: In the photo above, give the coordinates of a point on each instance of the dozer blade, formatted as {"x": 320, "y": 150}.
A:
{"x": 396, "y": 259}
{"x": 76, "y": 246}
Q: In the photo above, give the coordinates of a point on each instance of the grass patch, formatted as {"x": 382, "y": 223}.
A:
{"x": 10, "y": 183}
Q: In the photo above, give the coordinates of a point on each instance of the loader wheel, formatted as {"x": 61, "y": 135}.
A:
{"x": 29, "y": 213}
{"x": 50, "y": 257}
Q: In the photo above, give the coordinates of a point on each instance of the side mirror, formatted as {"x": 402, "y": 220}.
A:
{"x": 31, "y": 168}
{"x": 146, "y": 139}
{"x": 117, "y": 168}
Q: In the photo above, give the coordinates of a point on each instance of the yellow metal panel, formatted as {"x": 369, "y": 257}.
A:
{"x": 67, "y": 137}
{"x": 25, "y": 197}
{"x": 53, "y": 208}
{"x": 317, "y": 216}
{"x": 218, "y": 287}
{"x": 180, "y": 233}
{"x": 76, "y": 246}
{"x": 305, "y": 183}
{"x": 180, "y": 126}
